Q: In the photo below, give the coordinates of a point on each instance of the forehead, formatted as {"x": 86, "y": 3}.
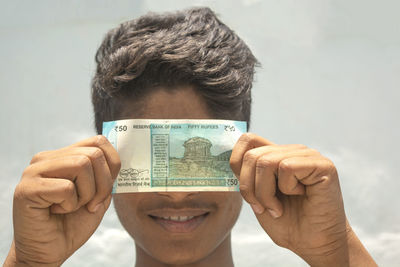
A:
{"x": 167, "y": 103}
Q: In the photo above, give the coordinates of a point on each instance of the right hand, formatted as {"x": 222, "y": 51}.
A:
{"x": 61, "y": 200}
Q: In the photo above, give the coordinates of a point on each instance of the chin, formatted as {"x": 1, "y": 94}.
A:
{"x": 179, "y": 258}
{"x": 182, "y": 252}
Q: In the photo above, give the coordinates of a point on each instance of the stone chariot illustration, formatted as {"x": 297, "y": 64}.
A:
{"x": 197, "y": 161}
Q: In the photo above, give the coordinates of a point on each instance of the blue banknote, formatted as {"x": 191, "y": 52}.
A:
{"x": 174, "y": 155}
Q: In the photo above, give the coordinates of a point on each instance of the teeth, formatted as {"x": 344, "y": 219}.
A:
{"x": 178, "y": 218}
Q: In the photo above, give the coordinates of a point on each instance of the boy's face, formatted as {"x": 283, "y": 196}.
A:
{"x": 205, "y": 218}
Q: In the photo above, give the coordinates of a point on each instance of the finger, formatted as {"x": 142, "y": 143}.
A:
{"x": 109, "y": 151}
{"x": 248, "y": 171}
{"x": 246, "y": 180}
{"x": 307, "y": 170}
{"x": 246, "y": 142}
{"x": 67, "y": 192}
{"x": 75, "y": 168}
{"x": 267, "y": 174}
{"x": 105, "y": 161}
{"x": 99, "y": 141}
{"x": 288, "y": 181}
{"x": 58, "y": 194}
{"x": 102, "y": 174}
{"x": 265, "y": 185}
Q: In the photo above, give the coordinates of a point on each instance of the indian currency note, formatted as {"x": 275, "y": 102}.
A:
{"x": 174, "y": 155}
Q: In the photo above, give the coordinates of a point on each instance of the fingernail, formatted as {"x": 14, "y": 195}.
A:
{"x": 273, "y": 213}
{"x": 257, "y": 208}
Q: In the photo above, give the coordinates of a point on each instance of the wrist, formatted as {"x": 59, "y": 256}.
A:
{"x": 358, "y": 254}
{"x": 13, "y": 261}
{"x": 348, "y": 251}
{"x": 335, "y": 253}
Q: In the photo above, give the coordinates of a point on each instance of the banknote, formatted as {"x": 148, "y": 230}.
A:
{"x": 174, "y": 155}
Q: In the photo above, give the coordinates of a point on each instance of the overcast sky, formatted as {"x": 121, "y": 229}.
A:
{"x": 329, "y": 79}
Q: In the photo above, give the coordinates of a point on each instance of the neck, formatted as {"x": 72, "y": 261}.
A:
{"x": 221, "y": 256}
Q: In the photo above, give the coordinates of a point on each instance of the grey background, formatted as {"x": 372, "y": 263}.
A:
{"x": 330, "y": 80}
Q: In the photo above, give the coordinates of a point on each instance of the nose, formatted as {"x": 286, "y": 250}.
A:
{"x": 177, "y": 196}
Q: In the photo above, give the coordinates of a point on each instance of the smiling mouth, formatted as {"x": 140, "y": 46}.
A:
{"x": 178, "y": 218}
{"x": 180, "y": 223}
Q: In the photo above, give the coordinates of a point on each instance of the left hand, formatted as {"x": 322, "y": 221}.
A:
{"x": 295, "y": 194}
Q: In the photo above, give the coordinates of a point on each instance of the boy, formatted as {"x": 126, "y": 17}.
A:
{"x": 185, "y": 65}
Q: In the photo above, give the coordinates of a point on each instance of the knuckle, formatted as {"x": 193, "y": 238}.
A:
{"x": 69, "y": 188}
{"x": 39, "y": 156}
{"x": 233, "y": 161}
{"x": 250, "y": 156}
{"x": 247, "y": 137}
{"x": 300, "y": 146}
{"x": 235, "y": 166}
{"x": 264, "y": 162}
{"x": 329, "y": 162}
{"x": 330, "y": 167}
{"x": 313, "y": 151}
{"x": 245, "y": 191}
{"x": 96, "y": 154}
{"x": 285, "y": 166}
{"x": 83, "y": 162}
{"x": 20, "y": 191}
{"x": 28, "y": 171}
{"x": 100, "y": 140}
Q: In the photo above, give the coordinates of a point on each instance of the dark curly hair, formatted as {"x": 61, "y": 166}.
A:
{"x": 190, "y": 47}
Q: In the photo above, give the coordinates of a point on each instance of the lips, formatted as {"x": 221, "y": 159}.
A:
{"x": 179, "y": 221}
